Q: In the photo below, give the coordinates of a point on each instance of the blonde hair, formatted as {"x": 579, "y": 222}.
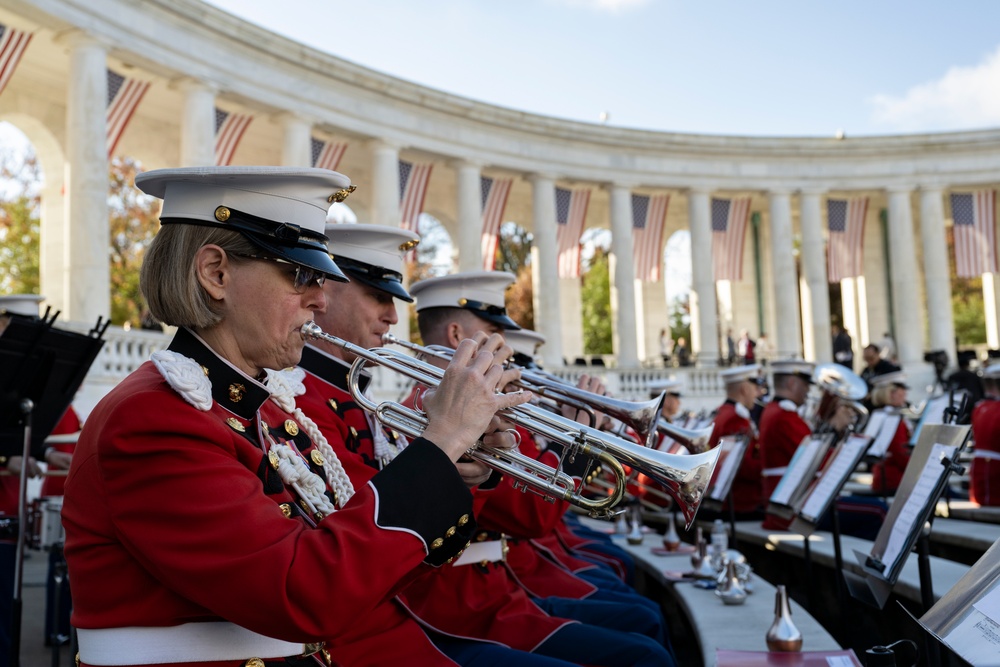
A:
{"x": 880, "y": 395}
{"x": 168, "y": 278}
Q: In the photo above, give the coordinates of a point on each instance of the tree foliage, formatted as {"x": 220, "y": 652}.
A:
{"x": 20, "y": 258}
{"x": 595, "y": 293}
{"x": 519, "y": 299}
{"x": 133, "y": 224}
{"x": 967, "y": 307}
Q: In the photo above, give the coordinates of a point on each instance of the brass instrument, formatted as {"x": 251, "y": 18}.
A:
{"x": 839, "y": 386}
{"x": 696, "y": 440}
{"x": 685, "y": 478}
{"x": 640, "y": 416}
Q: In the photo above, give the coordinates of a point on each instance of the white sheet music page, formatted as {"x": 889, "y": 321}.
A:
{"x": 874, "y": 424}
{"x": 732, "y": 453}
{"x": 976, "y": 639}
{"x": 797, "y": 469}
{"x": 918, "y": 499}
{"x": 833, "y": 477}
{"x": 885, "y": 434}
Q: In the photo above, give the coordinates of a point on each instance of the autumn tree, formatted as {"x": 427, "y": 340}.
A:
{"x": 19, "y": 224}
{"x": 133, "y": 224}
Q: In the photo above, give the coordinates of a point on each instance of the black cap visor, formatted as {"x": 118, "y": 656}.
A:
{"x": 495, "y": 314}
{"x": 375, "y": 276}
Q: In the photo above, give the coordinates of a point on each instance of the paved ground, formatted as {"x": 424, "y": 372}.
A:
{"x": 34, "y": 653}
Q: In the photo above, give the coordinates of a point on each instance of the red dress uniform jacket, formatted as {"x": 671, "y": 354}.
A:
{"x": 474, "y": 601}
{"x": 173, "y": 515}
{"x": 70, "y": 423}
{"x": 985, "y": 471}
{"x": 734, "y": 419}
{"x": 504, "y": 510}
{"x": 888, "y": 473}
{"x": 781, "y": 432}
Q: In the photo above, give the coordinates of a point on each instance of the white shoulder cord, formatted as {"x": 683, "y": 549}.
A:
{"x": 385, "y": 451}
{"x": 284, "y": 386}
{"x": 186, "y": 377}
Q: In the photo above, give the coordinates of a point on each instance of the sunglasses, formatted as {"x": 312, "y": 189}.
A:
{"x": 304, "y": 276}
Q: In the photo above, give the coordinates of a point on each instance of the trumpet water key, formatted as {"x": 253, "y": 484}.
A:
{"x": 685, "y": 478}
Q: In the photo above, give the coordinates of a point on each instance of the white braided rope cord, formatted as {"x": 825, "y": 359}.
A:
{"x": 284, "y": 386}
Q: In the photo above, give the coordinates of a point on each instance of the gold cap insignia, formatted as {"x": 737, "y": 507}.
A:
{"x": 236, "y": 391}
{"x": 291, "y": 428}
{"x": 408, "y": 245}
{"x": 463, "y": 301}
{"x": 235, "y": 424}
{"x": 317, "y": 457}
{"x": 222, "y": 214}
{"x": 341, "y": 195}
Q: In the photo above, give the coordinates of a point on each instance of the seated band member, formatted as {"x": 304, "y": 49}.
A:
{"x": 985, "y": 472}
{"x": 733, "y": 418}
{"x": 671, "y": 390}
{"x": 473, "y": 610}
{"x": 202, "y": 526}
{"x": 450, "y": 308}
{"x": 889, "y": 395}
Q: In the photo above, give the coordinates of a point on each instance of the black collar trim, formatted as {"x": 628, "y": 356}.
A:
{"x": 330, "y": 368}
{"x": 232, "y": 389}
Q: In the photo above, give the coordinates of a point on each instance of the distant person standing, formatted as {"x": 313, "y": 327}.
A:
{"x": 666, "y": 346}
{"x": 730, "y": 348}
{"x": 843, "y": 347}
{"x": 745, "y": 348}
{"x": 682, "y": 352}
{"x": 762, "y": 350}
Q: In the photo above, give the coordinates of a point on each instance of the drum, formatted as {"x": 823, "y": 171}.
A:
{"x": 45, "y": 519}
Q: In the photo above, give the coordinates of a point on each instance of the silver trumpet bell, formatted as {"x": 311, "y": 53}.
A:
{"x": 696, "y": 440}
{"x": 685, "y": 478}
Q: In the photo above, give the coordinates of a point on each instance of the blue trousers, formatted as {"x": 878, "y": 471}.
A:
{"x": 610, "y": 614}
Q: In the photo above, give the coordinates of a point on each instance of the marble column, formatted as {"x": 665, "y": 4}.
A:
{"x": 787, "y": 339}
{"x": 623, "y": 278}
{"x": 296, "y": 146}
{"x": 903, "y": 281}
{"x": 88, "y": 274}
{"x": 819, "y": 347}
{"x": 937, "y": 277}
{"x": 197, "y": 123}
{"x": 54, "y": 280}
{"x": 704, "y": 320}
{"x": 991, "y": 309}
{"x": 545, "y": 269}
{"x": 385, "y": 184}
{"x": 468, "y": 245}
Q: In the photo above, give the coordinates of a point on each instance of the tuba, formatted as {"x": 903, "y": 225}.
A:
{"x": 685, "y": 478}
{"x": 839, "y": 386}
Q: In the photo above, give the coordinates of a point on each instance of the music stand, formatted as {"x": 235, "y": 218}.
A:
{"x": 967, "y": 618}
{"x": 933, "y": 460}
{"x": 44, "y": 368}
{"x": 799, "y": 475}
{"x": 732, "y": 449}
{"x": 934, "y": 412}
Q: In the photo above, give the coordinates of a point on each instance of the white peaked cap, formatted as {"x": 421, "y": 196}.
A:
{"x": 21, "y": 304}
{"x": 738, "y": 374}
{"x": 481, "y": 292}
{"x": 669, "y": 385}
{"x": 372, "y": 254}
{"x": 793, "y": 367}
{"x": 524, "y": 341}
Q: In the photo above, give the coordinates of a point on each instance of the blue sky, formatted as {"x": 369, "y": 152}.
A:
{"x": 754, "y": 68}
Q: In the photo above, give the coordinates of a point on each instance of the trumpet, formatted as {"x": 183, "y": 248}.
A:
{"x": 685, "y": 478}
{"x": 696, "y": 440}
{"x": 640, "y": 416}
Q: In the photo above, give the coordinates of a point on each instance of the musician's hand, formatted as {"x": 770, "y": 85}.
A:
{"x": 14, "y": 466}
{"x": 57, "y": 460}
{"x": 475, "y": 473}
{"x": 842, "y": 418}
{"x": 463, "y": 405}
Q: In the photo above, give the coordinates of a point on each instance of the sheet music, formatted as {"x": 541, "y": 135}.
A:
{"x": 916, "y": 502}
{"x": 886, "y": 433}
{"x": 833, "y": 477}
{"x": 797, "y": 469}
{"x": 875, "y": 421}
{"x": 976, "y": 639}
{"x": 989, "y": 604}
{"x": 934, "y": 412}
{"x": 732, "y": 455}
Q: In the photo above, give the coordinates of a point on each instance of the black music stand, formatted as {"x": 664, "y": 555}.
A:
{"x": 43, "y": 367}
{"x": 720, "y": 489}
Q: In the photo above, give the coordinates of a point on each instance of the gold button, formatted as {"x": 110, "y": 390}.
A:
{"x": 286, "y": 509}
{"x": 464, "y": 519}
{"x": 319, "y": 516}
{"x": 354, "y": 432}
{"x": 481, "y": 537}
{"x": 291, "y": 428}
{"x": 236, "y": 391}
{"x": 450, "y": 560}
{"x": 254, "y": 662}
{"x": 333, "y": 403}
{"x": 222, "y": 214}
{"x": 436, "y": 544}
{"x": 450, "y": 532}
{"x": 235, "y": 424}
{"x": 317, "y": 457}
{"x": 272, "y": 458}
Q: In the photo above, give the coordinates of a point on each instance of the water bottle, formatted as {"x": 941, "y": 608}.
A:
{"x": 719, "y": 543}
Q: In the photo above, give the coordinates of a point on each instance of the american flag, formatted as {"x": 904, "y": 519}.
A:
{"x": 229, "y": 129}
{"x": 124, "y": 96}
{"x": 413, "y": 180}
{"x": 12, "y": 46}
{"x": 845, "y": 219}
{"x": 571, "y": 212}
{"x": 975, "y": 218}
{"x": 648, "y": 215}
{"x": 729, "y": 231}
{"x": 326, "y": 154}
{"x": 494, "y": 199}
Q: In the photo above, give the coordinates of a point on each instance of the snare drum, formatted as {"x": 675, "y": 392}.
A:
{"x": 46, "y": 523}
